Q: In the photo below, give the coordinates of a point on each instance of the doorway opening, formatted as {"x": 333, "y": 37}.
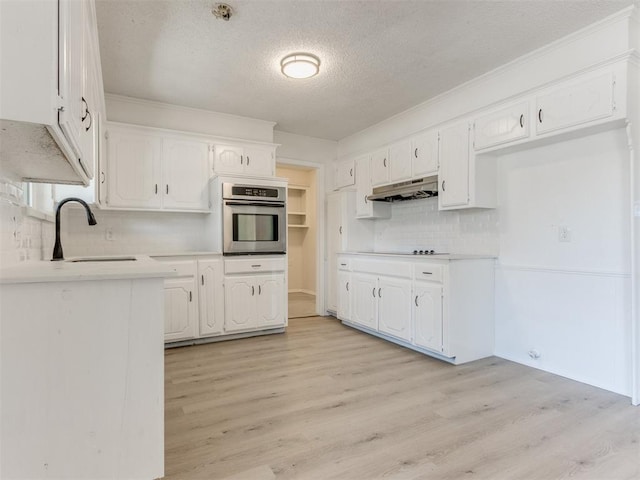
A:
{"x": 302, "y": 232}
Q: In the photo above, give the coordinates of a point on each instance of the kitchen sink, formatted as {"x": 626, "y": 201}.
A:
{"x": 103, "y": 259}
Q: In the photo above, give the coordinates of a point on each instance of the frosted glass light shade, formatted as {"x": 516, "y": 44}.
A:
{"x": 300, "y": 65}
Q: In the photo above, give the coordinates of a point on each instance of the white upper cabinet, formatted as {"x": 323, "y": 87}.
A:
{"x": 454, "y": 166}
{"x": 465, "y": 180}
{"x": 244, "y": 160}
{"x": 380, "y": 167}
{"x": 147, "y": 169}
{"x": 400, "y": 161}
{"x": 366, "y": 208}
{"x": 345, "y": 174}
{"x": 185, "y": 172}
{"x": 586, "y": 99}
{"x": 133, "y": 171}
{"x": 47, "y": 49}
{"x": 424, "y": 154}
{"x": 502, "y": 126}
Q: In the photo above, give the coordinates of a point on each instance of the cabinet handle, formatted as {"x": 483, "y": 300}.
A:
{"x": 156, "y": 188}
{"x": 103, "y": 177}
{"x": 540, "y": 115}
{"x": 340, "y": 229}
{"x": 443, "y": 185}
{"x": 427, "y": 273}
{"x": 343, "y": 264}
{"x": 415, "y": 153}
{"x": 259, "y": 286}
{"x": 379, "y": 292}
{"x": 190, "y": 296}
{"x": 416, "y": 300}
{"x": 373, "y": 292}
{"x": 351, "y": 172}
{"x": 521, "y": 120}
{"x": 365, "y": 199}
{"x": 384, "y": 162}
{"x": 248, "y": 160}
{"x": 258, "y": 265}
{"x": 202, "y": 279}
{"x": 253, "y": 290}
{"x": 167, "y": 188}
{"x": 347, "y": 286}
{"x": 87, "y": 114}
{"x": 241, "y": 160}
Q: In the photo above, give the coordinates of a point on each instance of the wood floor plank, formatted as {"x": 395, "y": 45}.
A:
{"x": 325, "y": 401}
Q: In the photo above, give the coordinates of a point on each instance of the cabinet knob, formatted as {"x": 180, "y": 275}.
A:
{"x": 540, "y": 115}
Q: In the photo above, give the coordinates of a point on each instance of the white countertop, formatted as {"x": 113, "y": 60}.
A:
{"x": 443, "y": 256}
{"x": 68, "y": 271}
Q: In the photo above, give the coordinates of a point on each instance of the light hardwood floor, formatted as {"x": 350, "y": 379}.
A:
{"x": 301, "y": 305}
{"x": 324, "y": 401}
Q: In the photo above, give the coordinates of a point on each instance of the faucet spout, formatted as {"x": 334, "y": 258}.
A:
{"x": 57, "y": 247}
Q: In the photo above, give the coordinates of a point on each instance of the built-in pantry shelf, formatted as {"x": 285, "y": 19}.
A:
{"x": 297, "y": 206}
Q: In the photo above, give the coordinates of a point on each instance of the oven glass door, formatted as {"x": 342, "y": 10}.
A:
{"x": 254, "y": 228}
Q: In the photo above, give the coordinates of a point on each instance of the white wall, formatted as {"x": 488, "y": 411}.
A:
{"x": 569, "y": 301}
{"x": 162, "y": 115}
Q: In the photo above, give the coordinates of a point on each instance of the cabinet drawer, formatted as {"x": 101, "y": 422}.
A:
{"x": 184, "y": 268}
{"x": 392, "y": 269}
{"x": 344, "y": 264}
{"x": 429, "y": 272}
{"x": 254, "y": 264}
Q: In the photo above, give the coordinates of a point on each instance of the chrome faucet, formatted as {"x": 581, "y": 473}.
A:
{"x": 57, "y": 248}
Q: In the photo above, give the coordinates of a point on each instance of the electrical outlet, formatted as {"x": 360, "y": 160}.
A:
{"x": 108, "y": 234}
{"x": 564, "y": 234}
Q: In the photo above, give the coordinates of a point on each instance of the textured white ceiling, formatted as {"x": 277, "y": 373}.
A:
{"x": 379, "y": 57}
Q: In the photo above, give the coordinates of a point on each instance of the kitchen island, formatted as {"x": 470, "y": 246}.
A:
{"x": 82, "y": 369}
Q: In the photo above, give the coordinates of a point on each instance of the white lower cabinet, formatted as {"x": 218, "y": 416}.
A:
{"x": 180, "y": 309}
{"x": 344, "y": 295}
{"x": 211, "y": 297}
{"x": 427, "y": 315}
{"x": 394, "y": 307}
{"x": 255, "y": 294}
{"x": 442, "y": 307}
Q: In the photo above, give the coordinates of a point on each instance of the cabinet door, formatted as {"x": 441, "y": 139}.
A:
{"x": 394, "y": 307}
{"x": 454, "y": 166}
{"x": 344, "y": 295}
{"x": 71, "y": 71}
{"x": 364, "y": 300}
{"x": 239, "y": 304}
{"x": 270, "y": 301}
{"x": 400, "y": 161}
{"x": 211, "y": 297}
{"x": 133, "y": 170}
{"x": 424, "y": 154}
{"x": 180, "y": 313}
{"x": 345, "y": 174}
{"x": 228, "y": 159}
{"x": 334, "y": 218}
{"x": 363, "y": 187}
{"x": 503, "y": 126}
{"x": 581, "y": 101}
{"x": 185, "y": 174}
{"x": 259, "y": 161}
{"x": 427, "y": 315}
{"x": 380, "y": 167}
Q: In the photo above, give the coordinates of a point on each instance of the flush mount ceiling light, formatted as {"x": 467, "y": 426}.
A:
{"x": 223, "y": 11}
{"x": 300, "y": 65}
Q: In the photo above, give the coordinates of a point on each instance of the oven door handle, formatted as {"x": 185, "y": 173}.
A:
{"x": 256, "y": 204}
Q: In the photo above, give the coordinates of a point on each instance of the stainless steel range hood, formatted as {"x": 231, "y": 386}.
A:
{"x": 420, "y": 188}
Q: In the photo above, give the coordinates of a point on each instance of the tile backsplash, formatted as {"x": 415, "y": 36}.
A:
{"x": 22, "y": 238}
{"x": 417, "y": 224}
